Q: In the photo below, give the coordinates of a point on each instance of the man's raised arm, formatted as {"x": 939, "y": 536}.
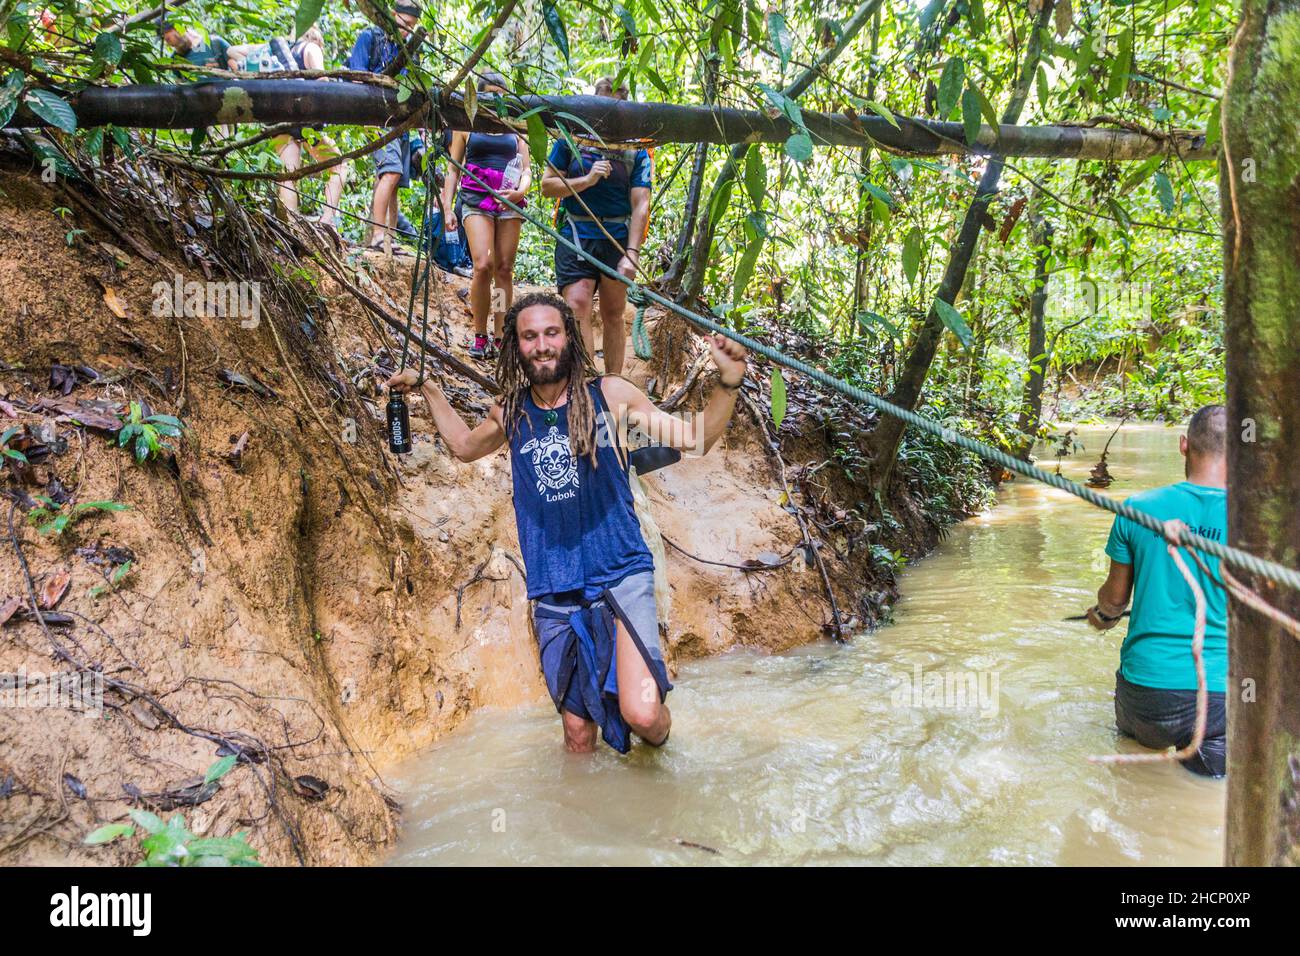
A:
{"x": 703, "y": 430}
{"x": 465, "y": 443}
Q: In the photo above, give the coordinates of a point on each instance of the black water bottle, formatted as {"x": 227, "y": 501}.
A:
{"x": 399, "y": 424}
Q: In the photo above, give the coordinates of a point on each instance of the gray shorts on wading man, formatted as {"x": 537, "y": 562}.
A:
{"x": 578, "y": 648}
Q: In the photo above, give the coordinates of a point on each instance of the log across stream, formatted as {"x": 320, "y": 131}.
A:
{"x": 855, "y": 754}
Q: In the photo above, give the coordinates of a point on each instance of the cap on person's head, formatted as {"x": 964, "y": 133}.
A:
{"x": 165, "y": 27}
{"x": 490, "y": 78}
{"x": 409, "y": 7}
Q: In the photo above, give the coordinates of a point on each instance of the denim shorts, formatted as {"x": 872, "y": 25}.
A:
{"x": 1160, "y": 718}
{"x": 394, "y": 157}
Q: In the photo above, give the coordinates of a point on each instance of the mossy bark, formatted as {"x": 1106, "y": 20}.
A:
{"x": 1260, "y": 196}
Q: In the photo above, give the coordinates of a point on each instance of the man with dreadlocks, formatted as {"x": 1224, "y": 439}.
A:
{"x": 590, "y": 573}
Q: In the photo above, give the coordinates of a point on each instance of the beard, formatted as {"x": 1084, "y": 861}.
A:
{"x": 548, "y": 376}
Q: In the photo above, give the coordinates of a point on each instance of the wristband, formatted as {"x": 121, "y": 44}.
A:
{"x": 732, "y": 388}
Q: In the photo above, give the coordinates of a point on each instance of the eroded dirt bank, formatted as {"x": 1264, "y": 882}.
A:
{"x": 294, "y": 595}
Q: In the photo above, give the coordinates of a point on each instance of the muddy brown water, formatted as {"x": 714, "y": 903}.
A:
{"x": 853, "y": 754}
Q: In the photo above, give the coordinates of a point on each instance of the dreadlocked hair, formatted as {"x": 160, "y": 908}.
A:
{"x": 515, "y": 383}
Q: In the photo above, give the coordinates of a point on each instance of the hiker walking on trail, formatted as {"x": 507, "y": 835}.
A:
{"x": 1155, "y": 686}
{"x": 374, "y": 52}
{"x": 305, "y": 53}
{"x": 589, "y": 570}
{"x": 604, "y": 208}
{"x": 497, "y": 161}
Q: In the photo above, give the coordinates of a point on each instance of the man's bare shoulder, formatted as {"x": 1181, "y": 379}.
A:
{"x": 619, "y": 390}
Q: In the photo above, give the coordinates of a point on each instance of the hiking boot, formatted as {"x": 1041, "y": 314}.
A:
{"x": 494, "y": 349}
{"x": 480, "y": 347}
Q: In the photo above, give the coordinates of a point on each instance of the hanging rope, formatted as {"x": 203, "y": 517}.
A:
{"x": 640, "y": 338}
{"x": 1233, "y": 556}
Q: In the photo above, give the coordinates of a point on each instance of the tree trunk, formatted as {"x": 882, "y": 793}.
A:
{"x": 888, "y": 433}
{"x": 673, "y": 277}
{"x": 267, "y": 101}
{"x": 1260, "y": 198}
{"x": 694, "y": 281}
{"x": 1031, "y": 410}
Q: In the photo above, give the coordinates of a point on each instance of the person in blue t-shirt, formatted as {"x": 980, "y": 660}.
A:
{"x": 1155, "y": 686}
{"x": 614, "y": 185}
{"x": 190, "y": 45}
{"x": 373, "y": 51}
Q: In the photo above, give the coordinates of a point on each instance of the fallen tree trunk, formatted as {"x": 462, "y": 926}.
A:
{"x": 191, "y": 105}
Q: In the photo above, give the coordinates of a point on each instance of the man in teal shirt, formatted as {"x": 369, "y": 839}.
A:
{"x": 1155, "y": 686}
{"x": 190, "y": 45}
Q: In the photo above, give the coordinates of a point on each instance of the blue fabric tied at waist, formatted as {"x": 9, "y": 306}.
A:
{"x": 588, "y": 656}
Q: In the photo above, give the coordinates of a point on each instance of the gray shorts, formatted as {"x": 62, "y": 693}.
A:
{"x": 394, "y": 157}
{"x": 632, "y": 601}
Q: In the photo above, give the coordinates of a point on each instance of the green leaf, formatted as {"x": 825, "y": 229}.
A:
{"x": 537, "y": 140}
{"x": 1040, "y": 82}
{"x": 882, "y": 112}
{"x": 54, "y": 109}
{"x": 950, "y": 84}
{"x": 108, "y": 833}
{"x": 1119, "y": 67}
{"x": 865, "y": 317}
{"x": 555, "y": 26}
{"x": 1140, "y": 174}
{"x": 1213, "y": 127}
{"x": 977, "y": 20}
{"x": 912, "y": 254}
{"x": 95, "y": 141}
{"x": 779, "y": 34}
{"x": 1165, "y": 193}
{"x": 9, "y": 94}
{"x": 307, "y": 14}
{"x": 108, "y": 48}
{"x": 745, "y": 269}
{"x": 151, "y": 822}
{"x": 955, "y": 321}
{"x": 786, "y": 105}
{"x": 1120, "y": 213}
{"x": 625, "y": 18}
{"x": 658, "y": 81}
{"x": 755, "y": 175}
{"x": 721, "y": 199}
{"x": 799, "y": 147}
{"x": 879, "y": 192}
{"x": 220, "y": 769}
{"x": 970, "y": 115}
{"x": 778, "y": 396}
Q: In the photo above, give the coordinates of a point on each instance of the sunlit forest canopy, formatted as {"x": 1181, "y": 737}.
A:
{"x": 845, "y": 244}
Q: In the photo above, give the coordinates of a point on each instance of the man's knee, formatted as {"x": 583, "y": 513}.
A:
{"x": 641, "y": 715}
{"x": 579, "y": 734}
{"x": 578, "y": 295}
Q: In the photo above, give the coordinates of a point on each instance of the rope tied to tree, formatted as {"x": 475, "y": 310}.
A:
{"x": 640, "y": 338}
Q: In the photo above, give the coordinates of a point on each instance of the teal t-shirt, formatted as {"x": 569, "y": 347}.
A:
{"x": 214, "y": 53}
{"x": 1158, "y": 649}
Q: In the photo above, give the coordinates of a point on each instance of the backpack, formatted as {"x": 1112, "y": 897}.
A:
{"x": 271, "y": 56}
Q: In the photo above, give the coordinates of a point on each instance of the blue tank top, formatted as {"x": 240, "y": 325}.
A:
{"x": 578, "y": 529}
{"x": 491, "y": 150}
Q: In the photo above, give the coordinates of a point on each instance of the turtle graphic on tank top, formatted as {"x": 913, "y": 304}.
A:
{"x": 553, "y": 464}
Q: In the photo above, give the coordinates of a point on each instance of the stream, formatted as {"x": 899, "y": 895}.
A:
{"x": 959, "y": 734}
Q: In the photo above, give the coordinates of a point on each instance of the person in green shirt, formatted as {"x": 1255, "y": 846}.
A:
{"x": 191, "y": 46}
{"x": 1155, "y": 686}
